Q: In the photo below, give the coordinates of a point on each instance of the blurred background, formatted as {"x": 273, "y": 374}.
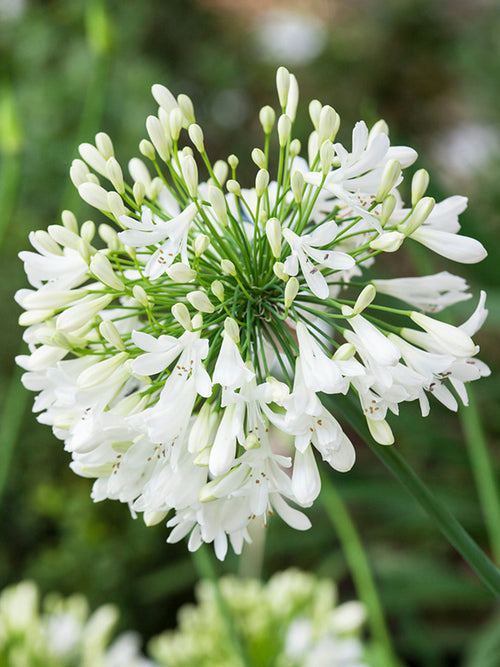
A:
{"x": 432, "y": 71}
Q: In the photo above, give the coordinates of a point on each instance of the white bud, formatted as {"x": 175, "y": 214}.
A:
{"x": 175, "y": 120}
{"x": 344, "y": 352}
{"x": 418, "y": 216}
{"x": 157, "y": 136}
{"x": 102, "y": 269}
{"x": 228, "y": 267}
{"x": 380, "y": 431}
{"x": 261, "y": 182}
{"x": 139, "y": 294}
{"x": 259, "y": 158}
{"x": 155, "y": 188}
{"x": 153, "y": 517}
{"x": 196, "y": 135}
{"x": 279, "y": 272}
{"x": 453, "y": 339}
{"x": 389, "y": 178}
{"x": 181, "y": 314}
{"x": 233, "y": 161}
{"x": 101, "y": 371}
{"x": 364, "y": 299}
{"x": 147, "y": 149}
{"x": 94, "y": 195}
{"x": 388, "y": 207}
{"x": 200, "y": 301}
{"x": 79, "y": 172}
{"x": 180, "y": 273}
{"x": 69, "y": 221}
{"x": 328, "y": 124}
{"x": 116, "y": 206}
{"x": 82, "y": 312}
{"x": 164, "y": 97}
{"x": 190, "y": 174}
{"x": 273, "y": 233}
{"x": 203, "y": 429}
{"x": 388, "y": 242}
{"x": 232, "y": 329}
{"x": 419, "y": 185}
{"x": 87, "y": 231}
{"x": 312, "y": 147}
{"x": 218, "y": 202}
{"x": 110, "y": 333}
{"x": 297, "y": 185}
{"x": 51, "y": 299}
{"x": 315, "y": 107}
{"x": 93, "y": 157}
{"x": 295, "y": 148}
{"x": 85, "y": 250}
{"x": 380, "y": 127}
{"x": 138, "y": 171}
{"x": 233, "y": 187}
{"x": 220, "y": 170}
{"x": 267, "y": 117}
{"x": 282, "y": 85}
{"x": 326, "y": 155}
{"x": 139, "y": 191}
{"x": 291, "y": 291}
{"x": 293, "y": 98}
{"x": 60, "y": 235}
{"x": 201, "y": 243}
{"x": 104, "y": 145}
{"x": 284, "y": 129}
{"x": 110, "y": 237}
{"x": 187, "y": 108}
{"x": 218, "y": 290}
{"x": 115, "y": 175}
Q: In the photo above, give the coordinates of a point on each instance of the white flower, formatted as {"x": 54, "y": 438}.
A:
{"x": 429, "y": 293}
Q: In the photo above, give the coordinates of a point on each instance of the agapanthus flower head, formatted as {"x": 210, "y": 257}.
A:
{"x": 166, "y": 343}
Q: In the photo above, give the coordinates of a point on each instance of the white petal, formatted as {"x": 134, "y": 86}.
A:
{"x": 306, "y": 483}
{"x": 452, "y": 246}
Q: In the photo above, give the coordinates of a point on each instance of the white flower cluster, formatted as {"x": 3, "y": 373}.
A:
{"x": 64, "y": 634}
{"x": 291, "y": 621}
{"x": 164, "y": 347}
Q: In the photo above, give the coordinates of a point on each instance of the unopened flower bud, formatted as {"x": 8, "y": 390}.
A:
{"x": 164, "y": 97}
{"x": 93, "y": 158}
{"x": 153, "y": 517}
{"x": 228, "y": 267}
{"x": 388, "y": 207}
{"x": 326, "y": 155}
{"x": 79, "y": 173}
{"x": 293, "y": 98}
{"x": 155, "y": 187}
{"x": 220, "y": 171}
{"x": 95, "y": 195}
{"x": 284, "y": 129}
{"x": 99, "y": 372}
{"x": 261, "y": 182}
{"x": 418, "y": 216}
{"x": 190, "y": 174}
{"x": 279, "y": 272}
{"x": 380, "y": 127}
{"x": 328, "y": 124}
{"x": 282, "y": 85}
{"x": 297, "y": 185}
{"x": 147, "y": 149}
{"x": 233, "y": 161}
{"x": 201, "y": 243}
{"x": 187, "y": 108}
{"x": 315, "y": 107}
{"x": 218, "y": 290}
{"x": 259, "y": 158}
{"x": 380, "y": 431}
{"x": 267, "y": 117}
{"x": 139, "y": 191}
{"x": 103, "y": 270}
{"x": 196, "y": 135}
{"x": 110, "y": 333}
{"x": 233, "y": 187}
{"x": 87, "y": 231}
{"x": 312, "y": 147}
{"x": 295, "y": 148}
{"x": 175, "y": 120}
{"x": 453, "y": 339}
{"x": 158, "y": 138}
{"x": 291, "y": 291}
{"x": 388, "y": 242}
{"x": 218, "y": 202}
{"x": 419, "y": 185}
{"x": 59, "y": 234}
{"x": 115, "y": 175}
{"x": 232, "y": 329}
{"x": 181, "y": 314}
{"x": 109, "y": 236}
{"x": 69, "y": 221}
{"x": 116, "y": 206}
{"x": 344, "y": 352}
{"x": 139, "y": 294}
{"x": 104, "y": 145}
{"x": 388, "y": 180}
{"x": 364, "y": 299}
{"x": 200, "y": 301}
{"x": 180, "y": 273}
{"x": 273, "y": 233}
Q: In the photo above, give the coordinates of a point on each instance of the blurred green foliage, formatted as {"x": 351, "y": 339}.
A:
{"x": 69, "y": 69}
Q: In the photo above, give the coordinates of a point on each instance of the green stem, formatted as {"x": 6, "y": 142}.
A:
{"x": 446, "y": 522}
{"x": 203, "y": 562}
{"x": 359, "y": 568}
{"x": 483, "y": 471}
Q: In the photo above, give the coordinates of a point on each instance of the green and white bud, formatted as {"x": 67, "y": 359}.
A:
{"x": 388, "y": 242}
{"x": 389, "y": 178}
{"x": 203, "y": 429}
{"x": 138, "y": 170}
{"x": 284, "y": 129}
{"x": 115, "y": 175}
{"x": 187, "y": 108}
{"x": 232, "y": 329}
{"x": 233, "y": 161}
{"x": 51, "y": 299}
{"x": 267, "y": 117}
{"x": 278, "y": 269}
{"x": 82, "y": 312}
{"x": 139, "y": 192}
{"x": 228, "y": 267}
{"x": 201, "y": 243}
{"x": 273, "y": 233}
{"x": 147, "y": 149}
{"x": 364, "y": 299}
{"x": 388, "y": 207}
{"x": 328, "y": 124}
{"x": 102, "y": 269}
{"x": 344, "y": 352}
{"x": 259, "y": 158}
{"x": 218, "y": 202}
{"x": 110, "y": 333}
{"x": 116, "y": 206}
{"x": 57, "y": 234}
{"x": 164, "y": 97}
{"x": 380, "y": 431}
{"x": 139, "y": 294}
{"x": 104, "y": 145}
{"x": 283, "y": 85}
{"x": 297, "y": 184}
{"x": 181, "y": 314}
{"x": 181, "y": 273}
{"x": 291, "y": 291}
{"x": 109, "y": 236}
{"x": 419, "y": 185}
{"x": 380, "y": 127}
{"x": 153, "y": 517}
{"x": 326, "y": 155}
{"x": 69, "y": 221}
{"x": 261, "y": 182}
{"x": 101, "y": 371}
{"x": 293, "y": 98}
{"x": 418, "y": 216}
{"x": 190, "y": 174}
{"x": 233, "y": 187}
{"x": 218, "y": 290}
{"x": 87, "y": 231}
{"x": 221, "y": 171}
{"x": 200, "y": 301}
{"x": 295, "y": 148}
{"x": 315, "y": 107}
{"x": 155, "y": 188}
{"x": 312, "y": 147}
{"x": 196, "y": 135}
{"x": 94, "y": 195}
{"x": 158, "y": 138}
{"x": 175, "y": 121}
{"x": 79, "y": 172}
{"x": 93, "y": 158}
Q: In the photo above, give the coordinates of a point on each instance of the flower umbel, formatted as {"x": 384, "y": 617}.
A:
{"x": 205, "y": 314}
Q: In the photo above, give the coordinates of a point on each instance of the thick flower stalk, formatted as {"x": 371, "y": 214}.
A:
{"x": 204, "y": 313}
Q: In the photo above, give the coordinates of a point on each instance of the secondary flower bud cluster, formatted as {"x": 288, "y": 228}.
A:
{"x": 165, "y": 343}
